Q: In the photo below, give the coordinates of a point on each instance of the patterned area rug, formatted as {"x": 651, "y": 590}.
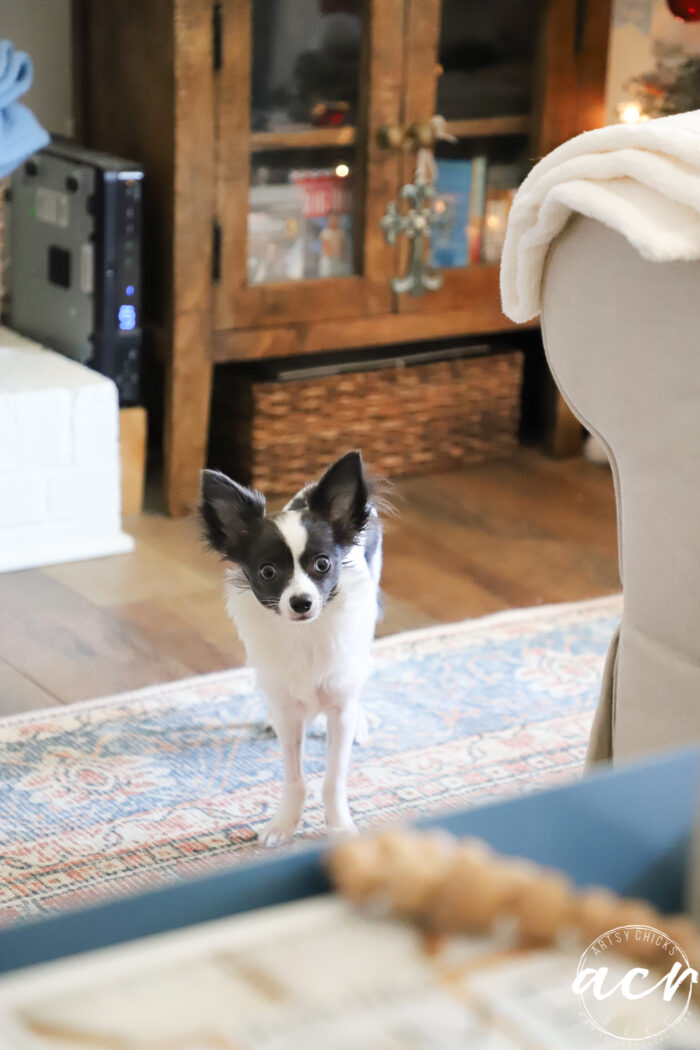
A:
{"x": 109, "y": 795}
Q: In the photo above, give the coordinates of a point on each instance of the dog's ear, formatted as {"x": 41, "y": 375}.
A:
{"x": 341, "y": 496}
{"x": 227, "y": 512}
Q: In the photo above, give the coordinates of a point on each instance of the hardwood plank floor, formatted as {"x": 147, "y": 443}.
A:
{"x": 19, "y": 693}
{"x": 527, "y": 531}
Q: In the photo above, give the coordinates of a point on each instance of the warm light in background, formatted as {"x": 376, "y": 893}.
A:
{"x": 439, "y": 206}
{"x": 630, "y": 113}
{"x": 342, "y": 170}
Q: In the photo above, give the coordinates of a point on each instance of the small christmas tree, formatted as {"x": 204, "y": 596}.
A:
{"x": 673, "y": 86}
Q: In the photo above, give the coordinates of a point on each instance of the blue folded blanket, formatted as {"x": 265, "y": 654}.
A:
{"x": 20, "y": 131}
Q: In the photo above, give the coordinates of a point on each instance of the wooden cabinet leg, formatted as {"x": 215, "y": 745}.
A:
{"x": 187, "y": 404}
{"x": 564, "y": 435}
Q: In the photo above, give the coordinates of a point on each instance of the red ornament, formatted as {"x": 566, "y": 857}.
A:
{"x": 686, "y": 10}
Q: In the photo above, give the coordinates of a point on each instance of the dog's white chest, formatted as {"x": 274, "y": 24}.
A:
{"x": 310, "y": 662}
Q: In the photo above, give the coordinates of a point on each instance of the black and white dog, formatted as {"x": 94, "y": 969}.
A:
{"x": 304, "y": 597}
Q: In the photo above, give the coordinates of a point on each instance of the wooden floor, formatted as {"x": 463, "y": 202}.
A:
{"x": 511, "y": 534}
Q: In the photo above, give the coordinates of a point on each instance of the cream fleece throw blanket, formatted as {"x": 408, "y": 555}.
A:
{"x": 642, "y": 180}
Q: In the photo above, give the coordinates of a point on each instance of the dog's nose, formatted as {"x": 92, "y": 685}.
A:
{"x": 301, "y": 603}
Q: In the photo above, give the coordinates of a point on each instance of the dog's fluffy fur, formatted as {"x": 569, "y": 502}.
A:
{"x": 304, "y": 597}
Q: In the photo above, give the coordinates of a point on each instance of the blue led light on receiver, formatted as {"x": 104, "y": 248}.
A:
{"x": 127, "y": 317}
{"x": 129, "y": 290}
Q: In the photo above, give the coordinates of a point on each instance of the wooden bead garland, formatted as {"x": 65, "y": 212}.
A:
{"x": 448, "y": 885}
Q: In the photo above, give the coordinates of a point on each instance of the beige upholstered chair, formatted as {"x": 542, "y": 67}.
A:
{"x": 622, "y": 336}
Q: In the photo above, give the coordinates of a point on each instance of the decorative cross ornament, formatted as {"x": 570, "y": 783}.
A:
{"x": 416, "y": 223}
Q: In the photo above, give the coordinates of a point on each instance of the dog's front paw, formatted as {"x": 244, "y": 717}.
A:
{"x": 279, "y": 830}
{"x": 276, "y": 833}
{"x": 345, "y": 828}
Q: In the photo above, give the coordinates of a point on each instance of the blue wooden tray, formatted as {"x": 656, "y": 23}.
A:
{"x": 628, "y": 829}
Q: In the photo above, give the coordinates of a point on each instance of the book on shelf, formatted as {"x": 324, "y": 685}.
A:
{"x": 477, "y": 201}
{"x": 502, "y": 185}
{"x": 476, "y": 197}
{"x": 328, "y": 227}
{"x": 448, "y": 242}
{"x": 300, "y": 229}
{"x": 275, "y": 234}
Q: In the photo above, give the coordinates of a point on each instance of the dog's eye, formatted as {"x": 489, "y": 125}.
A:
{"x": 322, "y": 563}
{"x": 268, "y": 572}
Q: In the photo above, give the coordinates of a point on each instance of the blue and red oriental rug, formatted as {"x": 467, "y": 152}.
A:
{"x": 111, "y": 795}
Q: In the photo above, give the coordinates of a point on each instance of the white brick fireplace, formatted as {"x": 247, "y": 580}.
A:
{"x": 59, "y": 459}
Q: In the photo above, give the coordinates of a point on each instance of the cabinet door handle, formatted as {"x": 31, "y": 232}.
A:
{"x": 426, "y": 134}
{"x": 392, "y": 136}
{"x": 421, "y": 135}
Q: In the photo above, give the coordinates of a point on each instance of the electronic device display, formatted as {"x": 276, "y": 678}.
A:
{"x": 72, "y": 259}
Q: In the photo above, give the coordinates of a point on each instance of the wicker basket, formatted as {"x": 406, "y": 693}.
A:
{"x": 406, "y": 420}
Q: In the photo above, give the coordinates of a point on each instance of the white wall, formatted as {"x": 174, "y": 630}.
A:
{"x": 42, "y": 27}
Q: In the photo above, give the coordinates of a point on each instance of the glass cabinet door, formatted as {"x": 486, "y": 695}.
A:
{"x": 513, "y": 79}
{"x": 474, "y": 64}
{"x": 486, "y": 58}
{"x": 303, "y": 88}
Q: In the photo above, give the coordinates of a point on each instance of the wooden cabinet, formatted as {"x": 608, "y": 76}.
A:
{"x": 228, "y": 104}
{"x": 242, "y": 152}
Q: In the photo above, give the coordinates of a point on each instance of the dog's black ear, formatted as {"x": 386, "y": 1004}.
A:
{"x": 228, "y": 511}
{"x": 341, "y": 497}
